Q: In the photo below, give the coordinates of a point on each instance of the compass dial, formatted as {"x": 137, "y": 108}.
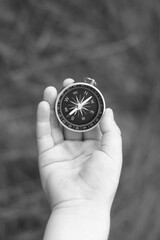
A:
{"x": 80, "y": 107}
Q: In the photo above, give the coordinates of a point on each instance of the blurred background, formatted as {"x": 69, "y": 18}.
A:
{"x": 42, "y": 42}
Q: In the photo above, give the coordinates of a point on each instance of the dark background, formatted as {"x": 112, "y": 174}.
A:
{"x": 42, "y": 42}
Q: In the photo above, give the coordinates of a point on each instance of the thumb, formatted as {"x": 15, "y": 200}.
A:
{"x": 111, "y": 143}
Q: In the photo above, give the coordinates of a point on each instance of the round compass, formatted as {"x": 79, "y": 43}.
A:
{"x": 80, "y": 106}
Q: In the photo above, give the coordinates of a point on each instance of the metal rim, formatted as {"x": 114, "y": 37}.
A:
{"x": 78, "y": 83}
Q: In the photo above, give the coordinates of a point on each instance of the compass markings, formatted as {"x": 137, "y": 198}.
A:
{"x": 78, "y": 105}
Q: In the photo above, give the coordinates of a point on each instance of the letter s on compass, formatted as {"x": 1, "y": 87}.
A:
{"x": 80, "y": 106}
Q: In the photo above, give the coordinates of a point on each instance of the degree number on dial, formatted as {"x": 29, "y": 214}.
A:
{"x": 80, "y": 107}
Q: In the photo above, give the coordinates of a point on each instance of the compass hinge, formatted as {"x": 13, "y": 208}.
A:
{"x": 90, "y": 81}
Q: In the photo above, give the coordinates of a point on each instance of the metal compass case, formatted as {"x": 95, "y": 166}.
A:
{"x": 80, "y": 106}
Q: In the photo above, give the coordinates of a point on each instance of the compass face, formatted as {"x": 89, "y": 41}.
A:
{"x": 80, "y": 107}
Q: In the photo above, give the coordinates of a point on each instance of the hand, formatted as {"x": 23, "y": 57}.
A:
{"x": 77, "y": 167}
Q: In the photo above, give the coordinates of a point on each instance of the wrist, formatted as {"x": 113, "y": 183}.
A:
{"x": 79, "y": 206}
{"x": 79, "y": 220}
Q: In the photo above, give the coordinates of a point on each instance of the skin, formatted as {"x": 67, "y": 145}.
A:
{"x": 78, "y": 170}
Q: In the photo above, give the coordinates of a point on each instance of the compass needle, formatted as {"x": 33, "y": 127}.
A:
{"x": 73, "y": 111}
{"x": 86, "y": 101}
{"x": 80, "y": 106}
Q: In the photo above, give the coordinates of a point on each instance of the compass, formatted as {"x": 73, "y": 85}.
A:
{"x": 80, "y": 106}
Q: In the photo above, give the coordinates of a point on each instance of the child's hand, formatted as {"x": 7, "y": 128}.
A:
{"x": 77, "y": 167}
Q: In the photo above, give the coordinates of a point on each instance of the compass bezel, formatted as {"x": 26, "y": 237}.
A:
{"x": 83, "y": 127}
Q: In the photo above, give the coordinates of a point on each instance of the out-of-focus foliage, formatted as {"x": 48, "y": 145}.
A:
{"x": 117, "y": 43}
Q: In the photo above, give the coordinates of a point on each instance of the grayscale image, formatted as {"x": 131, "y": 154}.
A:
{"x": 79, "y": 120}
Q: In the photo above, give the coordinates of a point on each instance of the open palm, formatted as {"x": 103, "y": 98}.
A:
{"x": 77, "y": 166}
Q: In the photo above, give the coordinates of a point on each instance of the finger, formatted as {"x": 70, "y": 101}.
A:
{"x": 111, "y": 142}
{"x": 50, "y": 94}
{"x": 94, "y": 134}
{"x": 67, "y": 82}
{"x": 68, "y": 134}
{"x": 44, "y": 137}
